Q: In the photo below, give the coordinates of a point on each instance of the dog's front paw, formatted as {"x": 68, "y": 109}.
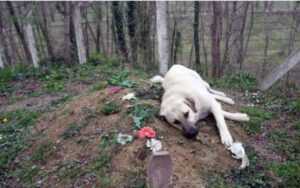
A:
{"x": 226, "y": 139}
{"x": 230, "y": 101}
{"x": 244, "y": 117}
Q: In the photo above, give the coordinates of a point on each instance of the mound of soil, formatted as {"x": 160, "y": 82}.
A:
{"x": 192, "y": 159}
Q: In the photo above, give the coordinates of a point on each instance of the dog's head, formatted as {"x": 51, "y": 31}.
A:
{"x": 181, "y": 113}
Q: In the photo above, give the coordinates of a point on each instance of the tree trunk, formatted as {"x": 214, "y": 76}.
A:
{"x": 6, "y": 53}
{"x": 242, "y": 24}
{"x": 67, "y": 47}
{"x": 118, "y": 21}
{"x": 1, "y": 57}
{"x": 196, "y": 33}
{"x": 225, "y": 60}
{"x": 18, "y": 29}
{"x": 216, "y": 39}
{"x": 86, "y": 33}
{"x": 107, "y": 29}
{"x": 145, "y": 41}
{"x": 46, "y": 32}
{"x": 79, "y": 33}
{"x": 132, "y": 26}
{"x": 203, "y": 45}
{"x": 162, "y": 35}
{"x": 98, "y": 28}
{"x": 32, "y": 47}
{"x": 177, "y": 46}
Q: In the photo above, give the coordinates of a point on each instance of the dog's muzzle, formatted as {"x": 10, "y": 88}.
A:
{"x": 190, "y": 132}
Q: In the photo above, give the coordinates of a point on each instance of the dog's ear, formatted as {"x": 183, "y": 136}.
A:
{"x": 191, "y": 103}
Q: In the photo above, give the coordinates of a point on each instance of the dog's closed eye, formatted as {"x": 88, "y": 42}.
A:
{"x": 177, "y": 122}
{"x": 186, "y": 115}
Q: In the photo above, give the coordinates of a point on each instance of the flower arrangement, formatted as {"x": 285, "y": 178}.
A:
{"x": 147, "y": 132}
{"x": 152, "y": 143}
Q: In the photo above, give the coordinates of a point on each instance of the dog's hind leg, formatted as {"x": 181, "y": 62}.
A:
{"x": 225, "y": 135}
{"x": 157, "y": 79}
{"x": 216, "y": 92}
{"x": 236, "y": 116}
{"x": 212, "y": 90}
{"x": 223, "y": 99}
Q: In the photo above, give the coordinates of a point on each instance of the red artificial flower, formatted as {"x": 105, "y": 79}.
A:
{"x": 147, "y": 132}
{"x": 114, "y": 89}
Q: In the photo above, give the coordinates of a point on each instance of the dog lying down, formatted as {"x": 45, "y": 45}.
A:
{"x": 187, "y": 98}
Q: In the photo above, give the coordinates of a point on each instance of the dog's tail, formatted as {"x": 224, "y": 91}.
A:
{"x": 157, "y": 79}
{"x": 236, "y": 116}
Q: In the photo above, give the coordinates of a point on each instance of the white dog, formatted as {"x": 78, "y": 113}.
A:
{"x": 187, "y": 99}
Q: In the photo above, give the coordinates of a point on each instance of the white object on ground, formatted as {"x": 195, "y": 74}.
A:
{"x": 238, "y": 152}
{"x": 154, "y": 145}
{"x": 124, "y": 138}
{"x": 129, "y": 96}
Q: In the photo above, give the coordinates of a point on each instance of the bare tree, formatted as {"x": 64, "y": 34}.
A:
{"x": 132, "y": 27}
{"x": 118, "y": 21}
{"x": 144, "y": 30}
{"x": 31, "y": 40}
{"x": 79, "y": 33}
{"x": 228, "y": 32}
{"x": 196, "y": 33}
{"x": 47, "y": 32}
{"x": 4, "y": 49}
{"x": 216, "y": 39}
{"x": 242, "y": 24}
{"x": 162, "y": 36}
{"x": 1, "y": 57}
{"x": 67, "y": 47}
{"x": 18, "y": 29}
{"x": 205, "y": 54}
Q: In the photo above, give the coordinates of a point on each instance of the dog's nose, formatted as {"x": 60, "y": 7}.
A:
{"x": 190, "y": 132}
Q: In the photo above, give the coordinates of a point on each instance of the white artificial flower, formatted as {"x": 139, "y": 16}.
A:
{"x": 154, "y": 145}
{"x": 124, "y": 138}
{"x": 129, "y": 96}
{"x": 238, "y": 152}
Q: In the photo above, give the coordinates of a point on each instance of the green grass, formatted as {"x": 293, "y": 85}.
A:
{"x": 134, "y": 178}
{"x": 19, "y": 72}
{"x": 258, "y": 112}
{"x": 101, "y": 160}
{"x": 26, "y": 173}
{"x": 241, "y": 81}
{"x": 289, "y": 172}
{"x": 71, "y": 130}
{"x": 286, "y": 142}
{"x": 295, "y": 106}
{"x": 258, "y": 117}
{"x": 111, "y": 107}
{"x": 13, "y": 134}
{"x": 41, "y": 153}
{"x": 99, "y": 86}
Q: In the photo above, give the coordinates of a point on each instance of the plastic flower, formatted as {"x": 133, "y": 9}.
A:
{"x": 129, "y": 96}
{"x": 154, "y": 145}
{"x": 238, "y": 152}
{"x": 123, "y": 138}
{"x": 114, "y": 89}
{"x": 5, "y": 120}
{"x": 147, "y": 132}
